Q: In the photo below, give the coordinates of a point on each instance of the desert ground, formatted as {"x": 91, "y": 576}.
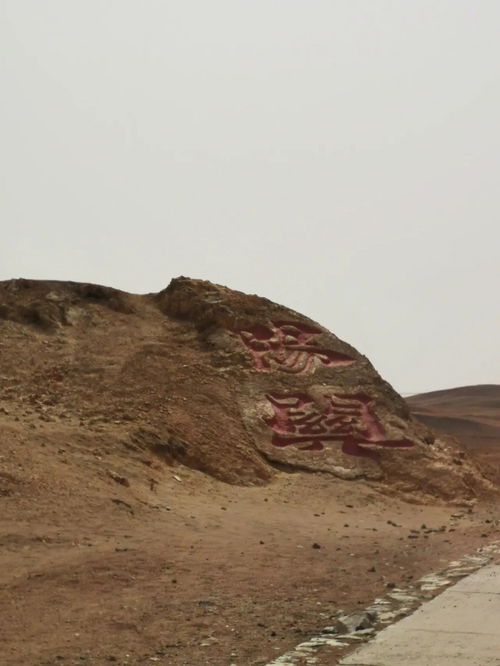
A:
{"x": 193, "y": 571}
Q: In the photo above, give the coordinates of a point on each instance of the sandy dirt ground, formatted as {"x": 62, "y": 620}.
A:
{"x": 192, "y": 571}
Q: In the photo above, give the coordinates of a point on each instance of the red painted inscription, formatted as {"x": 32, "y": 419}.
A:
{"x": 349, "y": 419}
{"x": 289, "y": 347}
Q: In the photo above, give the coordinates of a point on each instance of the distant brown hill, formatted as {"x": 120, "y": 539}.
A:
{"x": 469, "y": 413}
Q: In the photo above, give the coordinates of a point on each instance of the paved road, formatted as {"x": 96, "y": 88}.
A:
{"x": 461, "y": 627}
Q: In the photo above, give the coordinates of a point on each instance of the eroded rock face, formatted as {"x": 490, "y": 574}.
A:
{"x": 308, "y": 399}
{"x": 48, "y": 304}
{"x": 245, "y": 384}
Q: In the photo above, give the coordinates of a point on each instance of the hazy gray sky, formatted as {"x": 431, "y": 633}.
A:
{"x": 341, "y": 157}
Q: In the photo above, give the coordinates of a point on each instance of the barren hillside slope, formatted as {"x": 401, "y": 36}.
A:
{"x": 201, "y": 477}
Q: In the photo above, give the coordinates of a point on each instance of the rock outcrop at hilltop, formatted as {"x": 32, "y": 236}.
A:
{"x": 220, "y": 381}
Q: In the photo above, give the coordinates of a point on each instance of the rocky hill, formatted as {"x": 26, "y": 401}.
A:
{"x": 191, "y": 477}
{"x": 212, "y": 379}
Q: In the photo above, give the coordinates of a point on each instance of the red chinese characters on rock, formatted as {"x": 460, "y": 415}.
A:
{"x": 348, "y": 419}
{"x": 289, "y": 347}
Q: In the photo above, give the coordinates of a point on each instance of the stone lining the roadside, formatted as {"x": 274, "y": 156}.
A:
{"x": 399, "y": 602}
